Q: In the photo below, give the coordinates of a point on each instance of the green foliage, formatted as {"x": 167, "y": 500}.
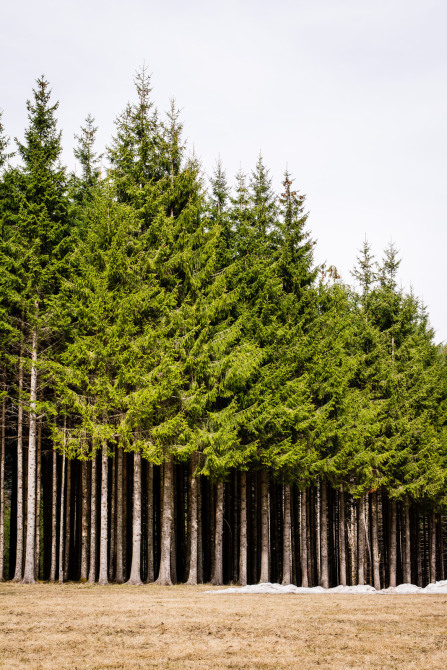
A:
{"x": 175, "y": 319}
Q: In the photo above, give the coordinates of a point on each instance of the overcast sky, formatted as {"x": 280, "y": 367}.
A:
{"x": 350, "y": 95}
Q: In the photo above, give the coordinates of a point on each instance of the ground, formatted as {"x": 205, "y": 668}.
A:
{"x": 87, "y": 627}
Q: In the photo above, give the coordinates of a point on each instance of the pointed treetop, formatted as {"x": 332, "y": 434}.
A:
{"x": 135, "y": 150}
{"x": 240, "y": 201}
{"x": 263, "y": 197}
{"x": 219, "y": 187}
{"x": 365, "y": 272}
{"x": 42, "y": 146}
{"x": 296, "y": 244}
{"x": 173, "y": 129}
{"x": 85, "y": 153}
{"x": 389, "y": 267}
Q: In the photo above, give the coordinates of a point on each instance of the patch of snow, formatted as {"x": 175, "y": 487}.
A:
{"x": 402, "y": 589}
{"x": 437, "y": 587}
{"x": 358, "y": 588}
{"x": 362, "y": 589}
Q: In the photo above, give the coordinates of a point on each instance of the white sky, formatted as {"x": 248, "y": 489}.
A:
{"x": 350, "y": 95}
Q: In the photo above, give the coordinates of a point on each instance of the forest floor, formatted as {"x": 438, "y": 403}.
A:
{"x": 87, "y": 627}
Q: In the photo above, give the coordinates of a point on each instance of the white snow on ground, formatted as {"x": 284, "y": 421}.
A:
{"x": 266, "y": 587}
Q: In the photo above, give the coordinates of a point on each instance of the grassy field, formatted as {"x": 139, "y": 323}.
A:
{"x": 91, "y": 627}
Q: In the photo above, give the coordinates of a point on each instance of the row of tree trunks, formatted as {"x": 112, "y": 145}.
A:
{"x": 183, "y": 527}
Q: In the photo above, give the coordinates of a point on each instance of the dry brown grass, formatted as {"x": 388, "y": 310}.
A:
{"x": 92, "y": 627}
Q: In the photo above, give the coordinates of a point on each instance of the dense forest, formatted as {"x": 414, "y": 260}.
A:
{"x": 185, "y": 395}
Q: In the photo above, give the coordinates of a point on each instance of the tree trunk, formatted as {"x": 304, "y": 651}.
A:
{"x": 264, "y": 577}
{"x": 38, "y": 495}
{"x": 19, "y": 545}
{"x": 303, "y": 541}
{"x": 112, "y": 552}
{"x": 243, "y": 532}
{"x": 440, "y": 548}
{"x": 193, "y": 486}
{"x": 2, "y": 491}
{"x": 93, "y": 487}
{"x": 67, "y": 522}
{"x": 174, "y": 526}
{"x": 119, "y": 572}
{"x": 432, "y": 546}
{"x": 84, "y": 522}
{"x": 103, "y": 572}
{"x": 62, "y": 517}
{"x": 418, "y": 547}
{"x": 150, "y": 523}
{"x": 30, "y": 548}
{"x": 287, "y": 539}
{"x": 164, "y": 574}
{"x": 375, "y": 541}
{"x": 407, "y": 540}
{"x": 126, "y": 493}
{"x": 316, "y": 526}
{"x": 324, "y": 557}
{"x": 352, "y": 534}
{"x": 135, "y": 569}
{"x": 199, "y": 534}
{"x": 342, "y": 537}
{"x": 393, "y": 542}
{"x": 210, "y": 511}
{"x": 361, "y": 540}
{"x": 217, "y": 579}
{"x": 54, "y": 518}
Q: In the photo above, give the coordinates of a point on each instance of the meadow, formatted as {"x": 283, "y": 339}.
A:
{"x": 87, "y": 627}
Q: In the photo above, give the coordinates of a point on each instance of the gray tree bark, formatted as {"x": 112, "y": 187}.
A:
{"x": 193, "y": 486}
{"x": 217, "y": 579}
{"x": 361, "y": 540}
{"x": 432, "y": 545}
{"x": 150, "y": 523}
{"x": 135, "y": 569}
{"x": 30, "y": 547}
{"x": 103, "y": 565}
{"x": 393, "y": 543}
{"x": 407, "y": 542}
{"x": 324, "y": 558}
{"x": 54, "y": 518}
{"x": 199, "y": 535}
{"x": 342, "y": 537}
{"x": 353, "y": 542}
{"x": 38, "y": 496}
{"x": 164, "y": 574}
{"x": 67, "y": 520}
{"x": 92, "y": 566}
{"x": 18, "y": 574}
{"x": 243, "y": 532}
{"x": 303, "y": 540}
{"x": 375, "y": 541}
{"x": 119, "y": 572}
{"x": 264, "y": 577}
{"x": 287, "y": 538}
{"x": 62, "y": 518}
{"x": 440, "y": 548}
{"x": 418, "y": 548}
{"x": 112, "y": 551}
{"x": 84, "y": 522}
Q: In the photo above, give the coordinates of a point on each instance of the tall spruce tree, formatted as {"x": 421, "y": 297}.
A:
{"x": 42, "y": 235}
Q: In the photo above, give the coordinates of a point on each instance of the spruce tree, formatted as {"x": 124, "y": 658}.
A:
{"x": 41, "y": 240}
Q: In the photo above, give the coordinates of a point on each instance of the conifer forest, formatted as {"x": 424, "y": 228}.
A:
{"x": 185, "y": 395}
